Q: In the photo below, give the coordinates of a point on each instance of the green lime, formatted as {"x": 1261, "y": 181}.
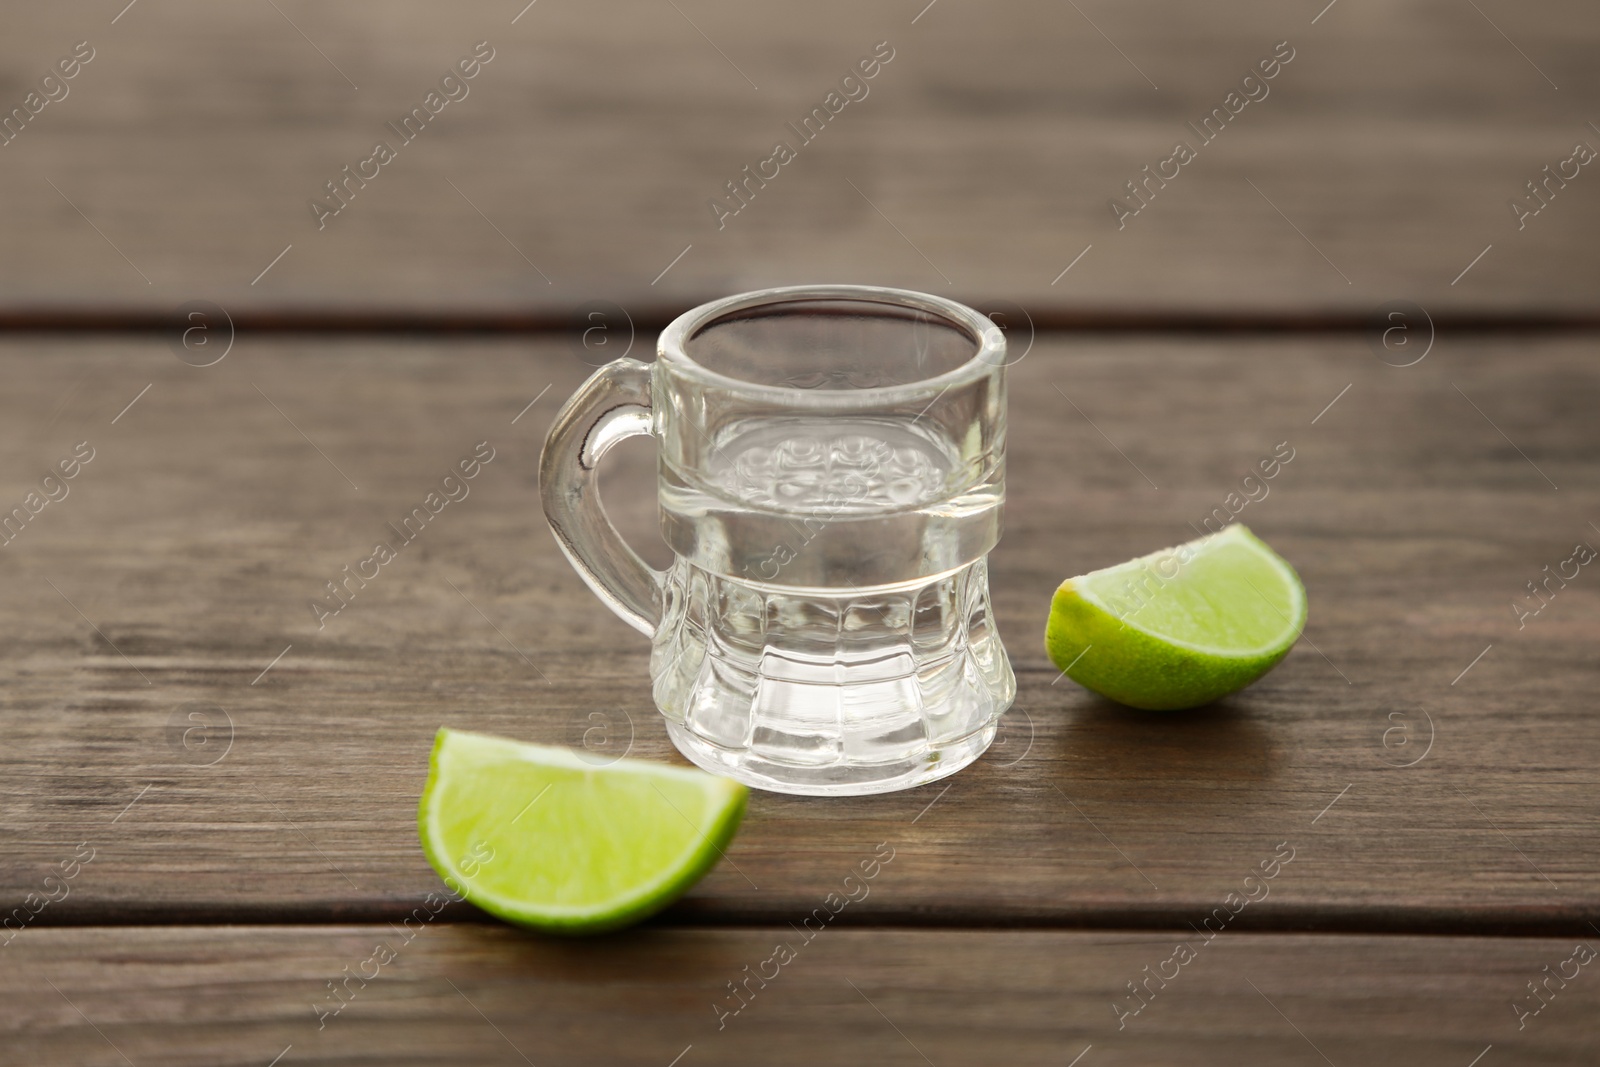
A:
{"x": 540, "y": 837}
{"x": 1180, "y": 627}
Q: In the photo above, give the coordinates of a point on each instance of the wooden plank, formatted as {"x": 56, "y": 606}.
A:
{"x": 983, "y": 160}
{"x": 180, "y": 569}
{"x": 243, "y": 995}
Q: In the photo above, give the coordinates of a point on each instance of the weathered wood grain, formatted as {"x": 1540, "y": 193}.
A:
{"x": 981, "y": 163}
{"x": 192, "y": 544}
{"x": 453, "y": 994}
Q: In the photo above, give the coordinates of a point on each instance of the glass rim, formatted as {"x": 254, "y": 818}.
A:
{"x": 989, "y": 357}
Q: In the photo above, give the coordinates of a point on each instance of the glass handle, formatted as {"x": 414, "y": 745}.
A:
{"x": 614, "y": 403}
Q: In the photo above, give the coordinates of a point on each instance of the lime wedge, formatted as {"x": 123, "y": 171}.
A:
{"x": 539, "y": 837}
{"x": 1180, "y": 627}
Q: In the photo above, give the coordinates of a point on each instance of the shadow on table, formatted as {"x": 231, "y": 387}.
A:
{"x": 1227, "y": 741}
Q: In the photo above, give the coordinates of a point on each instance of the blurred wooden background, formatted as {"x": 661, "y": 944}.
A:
{"x": 199, "y": 133}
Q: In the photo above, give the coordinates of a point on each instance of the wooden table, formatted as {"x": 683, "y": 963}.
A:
{"x": 233, "y": 791}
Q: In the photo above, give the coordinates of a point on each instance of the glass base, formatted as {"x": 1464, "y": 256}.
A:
{"x": 830, "y": 692}
{"x": 839, "y": 780}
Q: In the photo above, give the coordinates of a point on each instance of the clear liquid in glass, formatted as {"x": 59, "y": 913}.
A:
{"x": 826, "y": 625}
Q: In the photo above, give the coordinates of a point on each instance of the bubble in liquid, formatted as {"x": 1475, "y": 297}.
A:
{"x": 850, "y": 471}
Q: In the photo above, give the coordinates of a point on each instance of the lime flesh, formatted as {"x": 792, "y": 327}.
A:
{"x": 1180, "y": 627}
{"x": 541, "y": 837}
